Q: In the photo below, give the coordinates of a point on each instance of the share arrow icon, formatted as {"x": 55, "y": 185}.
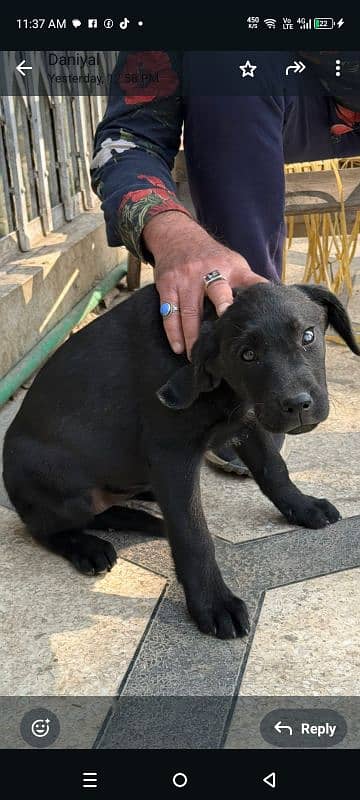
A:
{"x": 270, "y": 780}
{"x": 297, "y": 67}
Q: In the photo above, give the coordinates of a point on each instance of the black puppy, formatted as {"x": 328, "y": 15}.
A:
{"x": 114, "y": 413}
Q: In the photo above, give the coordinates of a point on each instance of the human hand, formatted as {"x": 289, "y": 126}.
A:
{"x": 183, "y": 253}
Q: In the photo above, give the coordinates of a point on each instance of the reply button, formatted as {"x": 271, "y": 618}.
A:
{"x": 303, "y": 727}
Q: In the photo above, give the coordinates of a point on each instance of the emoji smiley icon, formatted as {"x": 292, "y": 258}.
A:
{"x": 40, "y": 728}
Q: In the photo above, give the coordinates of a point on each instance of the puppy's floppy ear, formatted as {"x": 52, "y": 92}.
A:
{"x": 184, "y": 387}
{"x": 337, "y": 316}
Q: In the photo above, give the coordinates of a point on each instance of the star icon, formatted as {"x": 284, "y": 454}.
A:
{"x": 248, "y": 69}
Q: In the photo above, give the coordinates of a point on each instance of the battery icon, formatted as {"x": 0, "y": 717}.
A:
{"x": 324, "y": 23}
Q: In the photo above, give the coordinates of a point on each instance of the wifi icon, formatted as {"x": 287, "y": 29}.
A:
{"x": 271, "y": 23}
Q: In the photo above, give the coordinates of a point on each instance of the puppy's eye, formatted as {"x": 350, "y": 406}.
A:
{"x": 248, "y": 355}
{"x": 308, "y": 336}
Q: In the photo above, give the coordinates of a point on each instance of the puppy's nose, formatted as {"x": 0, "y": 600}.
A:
{"x": 299, "y": 402}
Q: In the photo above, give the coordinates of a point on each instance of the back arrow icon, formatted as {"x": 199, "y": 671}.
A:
{"x": 20, "y": 68}
{"x": 297, "y": 66}
{"x": 270, "y": 780}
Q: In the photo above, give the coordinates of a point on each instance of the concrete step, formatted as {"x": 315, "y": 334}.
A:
{"x": 38, "y": 288}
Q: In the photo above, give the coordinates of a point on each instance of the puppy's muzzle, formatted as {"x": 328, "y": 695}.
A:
{"x": 298, "y": 408}
{"x": 299, "y": 404}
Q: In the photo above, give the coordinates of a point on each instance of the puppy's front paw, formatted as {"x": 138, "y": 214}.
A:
{"x": 225, "y": 616}
{"x": 311, "y": 512}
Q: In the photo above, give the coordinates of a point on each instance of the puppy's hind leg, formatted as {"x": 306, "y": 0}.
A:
{"x": 89, "y": 554}
{"x": 58, "y": 524}
{"x": 119, "y": 518}
{"x": 47, "y": 489}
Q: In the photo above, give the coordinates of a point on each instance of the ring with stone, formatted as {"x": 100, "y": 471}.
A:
{"x": 213, "y": 276}
{"x": 166, "y": 309}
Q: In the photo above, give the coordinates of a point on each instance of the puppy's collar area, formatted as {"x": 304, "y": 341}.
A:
{"x": 237, "y": 409}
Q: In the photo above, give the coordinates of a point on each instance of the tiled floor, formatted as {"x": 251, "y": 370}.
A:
{"x": 307, "y": 640}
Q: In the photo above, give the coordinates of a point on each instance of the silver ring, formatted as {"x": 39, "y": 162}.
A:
{"x": 166, "y": 309}
{"x": 213, "y": 276}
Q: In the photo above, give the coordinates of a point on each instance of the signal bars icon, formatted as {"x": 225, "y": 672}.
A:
{"x": 270, "y": 23}
{"x": 305, "y": 24}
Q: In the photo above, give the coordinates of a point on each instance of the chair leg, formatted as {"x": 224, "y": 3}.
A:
{"x": 133, "y": 272}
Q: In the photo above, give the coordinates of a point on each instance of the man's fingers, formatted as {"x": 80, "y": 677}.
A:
{"x": 172, "y": 323}
{"x": 220, "y": 294}
{"x": 182, "y": 327}
{"x": 186, "y": 291}
{"x": 191, "y": 307}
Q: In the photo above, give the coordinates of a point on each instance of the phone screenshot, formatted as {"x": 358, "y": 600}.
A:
{"x": 179, "y": 402}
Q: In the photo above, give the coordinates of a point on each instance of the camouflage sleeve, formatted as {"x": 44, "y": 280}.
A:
{"x": 135, "y": 146}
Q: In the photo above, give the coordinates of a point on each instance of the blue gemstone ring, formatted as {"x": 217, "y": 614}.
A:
{"x": 166, "y": 309}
